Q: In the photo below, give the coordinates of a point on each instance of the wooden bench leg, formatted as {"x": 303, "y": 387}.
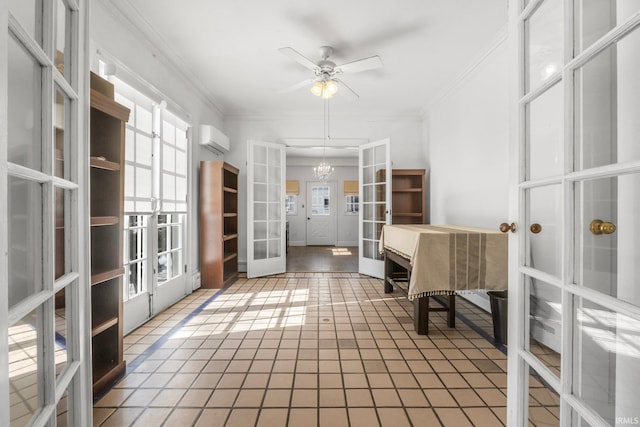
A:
{"x": 421, "y": 315}
{"x": 451, "y": 314}
{"x": 388, "y": 271}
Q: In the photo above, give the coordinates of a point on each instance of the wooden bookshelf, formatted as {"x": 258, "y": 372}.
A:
{"x": 106, "y": 161}
{"x": 218, "y": 224}
{"x": 409, "y": 196}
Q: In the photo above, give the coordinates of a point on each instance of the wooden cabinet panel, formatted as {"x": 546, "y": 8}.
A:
{"x": 218, "y": 224}
{"x": 409, "y": 196}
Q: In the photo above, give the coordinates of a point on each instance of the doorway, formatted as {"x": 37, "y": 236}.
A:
{"x": 321, "y": 213}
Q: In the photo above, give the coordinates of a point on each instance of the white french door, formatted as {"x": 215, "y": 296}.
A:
{"x": 156, "y": 152}
{"x": 266, "y": 253}
{"x": 574, "y": 315}
{"x": 375, "y": 204}
{"x": 321, "y": 213}
{"x": 45, "y": 365}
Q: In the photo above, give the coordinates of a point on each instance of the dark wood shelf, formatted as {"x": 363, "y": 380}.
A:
{"x": 408, "y": 205}
{"x": 218, "y": 224}
{"x": 106, "y": 159}
{"x": 99, "y": 221}
{"x": 104, "y": 326}
{"x": 407, "y": 190}
{"x": 106, "y": 275}
{"x": 101, "y": 163}
{"x": 229, "y": 257}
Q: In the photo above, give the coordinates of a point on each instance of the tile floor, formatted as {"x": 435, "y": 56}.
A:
{"x": 327, "y": 349}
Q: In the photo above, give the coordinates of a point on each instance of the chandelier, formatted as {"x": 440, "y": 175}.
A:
{"x": 323, "y": 171}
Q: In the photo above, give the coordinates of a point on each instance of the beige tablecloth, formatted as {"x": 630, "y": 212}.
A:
{"x": 449, "y": 259}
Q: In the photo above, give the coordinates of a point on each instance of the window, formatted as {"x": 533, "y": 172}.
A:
{"x": 320, "y": 200}
{"x": 135, "y": 250}
{"x": 352, "y": 204}
{"x": 291, "y": 204}
{"x": 169, "y": 247}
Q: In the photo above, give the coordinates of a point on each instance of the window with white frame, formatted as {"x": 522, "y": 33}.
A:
{"x": 352, "y": 204}
{"x": 291, "y": 204}
{"x": 155, "y": 187}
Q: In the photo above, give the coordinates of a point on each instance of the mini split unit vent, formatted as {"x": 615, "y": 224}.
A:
{"x": 211, "y": 138}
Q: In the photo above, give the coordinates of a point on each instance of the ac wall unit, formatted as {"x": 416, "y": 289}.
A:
{"x": 213, "y": 139}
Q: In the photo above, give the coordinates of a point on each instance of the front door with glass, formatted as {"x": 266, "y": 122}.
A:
{"x": 321, "y": 213}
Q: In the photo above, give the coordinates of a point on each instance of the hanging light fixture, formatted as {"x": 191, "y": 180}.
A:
{"x": 325, "y": 88}
{"x": 323, "y": 171}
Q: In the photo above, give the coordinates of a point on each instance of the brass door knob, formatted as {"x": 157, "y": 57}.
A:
{"x": 599, "y": 226}
{"x": 504, "y": 227}
{"x": 535, "y": 228}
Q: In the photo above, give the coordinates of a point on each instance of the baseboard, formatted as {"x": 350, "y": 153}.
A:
{"x": 195, "y": 281}
{"x": 242, "y": 266}
{"x": 297, "y": 243}
{"x": 479, "y": 299}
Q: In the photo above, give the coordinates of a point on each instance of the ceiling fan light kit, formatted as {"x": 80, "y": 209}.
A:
{"x": 325, "y": 83}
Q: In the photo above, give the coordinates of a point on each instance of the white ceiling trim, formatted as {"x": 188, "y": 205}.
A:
{"x": 125, "y": 12}
{"x": 460, "y": 79}
{"x": 391, "y": 117}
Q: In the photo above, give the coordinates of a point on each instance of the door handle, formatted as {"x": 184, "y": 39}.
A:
{"x": 505, "y": 228}
{"x": 308, "y": 219}
{"x": 535, "y": 228}
{"x": 599, "y": 226}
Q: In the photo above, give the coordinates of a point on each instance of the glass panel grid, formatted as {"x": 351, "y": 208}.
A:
{"x": 135, "y": 255}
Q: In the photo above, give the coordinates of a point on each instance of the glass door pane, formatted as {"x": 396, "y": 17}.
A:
{"x": 375, "y": 202}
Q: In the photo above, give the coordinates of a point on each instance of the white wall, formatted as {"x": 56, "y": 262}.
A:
{"x": 347, "y": 225}
{"x": 406, "y": 135}
{"x": 467, "y": 148}
{"x": 112, "y": 38}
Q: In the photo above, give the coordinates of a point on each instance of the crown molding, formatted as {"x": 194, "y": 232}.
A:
{"x": 285, "y": 115}
{"x": 129, "y": 16}
{"x": 498, "y": 40}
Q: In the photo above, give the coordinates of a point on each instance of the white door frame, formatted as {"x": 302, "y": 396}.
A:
{"x": 274, "y": 163}
{"x": 519, "y": 357}
{"x": 372, "y": 265}
{"x": 332, "y": 218}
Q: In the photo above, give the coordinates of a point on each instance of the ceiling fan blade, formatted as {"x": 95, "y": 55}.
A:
{"x": 360, "y": 65}
{"x": 298, "y": 57}
{"x": 349, "y": 90}
{"x": 296, "y": 86}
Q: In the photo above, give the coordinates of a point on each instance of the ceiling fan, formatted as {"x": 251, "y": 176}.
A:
{"x": 325, "y": 83}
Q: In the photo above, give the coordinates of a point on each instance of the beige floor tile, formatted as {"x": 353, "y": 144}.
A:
{"x": 482, "y": 417}
{"x": 355, "y": 380}
{"x": 299, "y": 417}
{"x": 168, "y": 397}
{"x": 277, "y": 398}
{"x": 330, "y": 380}
{"x": 233, "y": 380}
{"x": 281, "y": 380}
{"x": 114, "y": 397}
{"x": 152, "y": 417}
{"x": 466, "y": 397}
{"x": 423, "y": 417}
{"x": 122, "y": 417}
{"x": 195, "y": 398}
{"x": 453, "y": 417}
{"x": 249, "y": 398}
{"x": 393, "y": 417}
{"x": 304, "y": 398}
{"x": 413, "y": 398}
{"x": 452, "y": 380}
{"x": 333, "y": 417}
{"x": 331, "y": 398}
{"x": 183, "y": 417}
{"x": 101, "y": 414}
{"x": 213, "y": 418}
{"x": 242, "y": 418}
{"x": 363, "y": 417}
{"x": 306, "y": 381}
{"x": 385, "y": 397}
{"x": 206, "y": 381}
{"x": 380, "y": 380}
{"x": 141, "y": 397}
{"x": 134, "y": 379}
{"x": 439, "y": 398}
{"x": 271, "y": 417}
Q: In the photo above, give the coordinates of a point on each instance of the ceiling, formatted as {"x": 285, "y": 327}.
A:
{"x": 230, "y": 48}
